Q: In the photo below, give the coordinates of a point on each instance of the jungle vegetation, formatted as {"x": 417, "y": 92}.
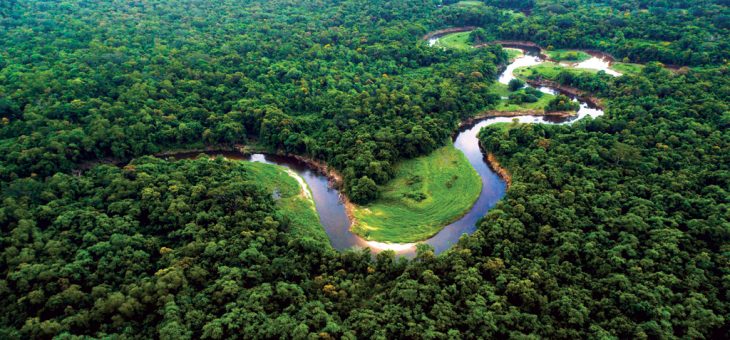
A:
{"x": 615, "y": 227}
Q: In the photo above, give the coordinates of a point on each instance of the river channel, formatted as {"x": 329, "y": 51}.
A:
{"x": 332, "y": 212}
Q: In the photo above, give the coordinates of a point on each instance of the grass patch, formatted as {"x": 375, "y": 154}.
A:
{"x": 548, "y": 70}
{"x": 470, "y": 3}
{"x": 504, "y": 104}
{"x": 289, "y": 199}
{"x": 459, "y": 41}
{"x": 513, "y": 53}
{"x": 428, "y": 193}
{"x": 572, "y": 56}
{"x": 627, "y": 68}
{"x": 504, "y": 126}
{"x": 514, "y": 14}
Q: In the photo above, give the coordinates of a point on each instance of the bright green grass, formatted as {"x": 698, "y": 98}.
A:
{"x": 513, "y": 14}
{"x": 503, "y": 126}
{"x": 551, "y": 70}
{"x": 470, "y": 3}
{"x": 627, "y": 68}
{"x": 548, "y": 70}
{"x": 513, "y": 53}
{"x": 459, "y": 41}
{"x": 572, "y": 56}
{"x": 449, "y": 185}
{"x": 504, "y": 104}
{"x": 298, "y": 208}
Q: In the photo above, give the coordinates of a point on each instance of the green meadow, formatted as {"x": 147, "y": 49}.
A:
{"x": 470, "y": 3}
{"x": 548, "y": 70}
{"x": 573, "y": 56}
{"x": 292, "y": 201}
{"x": 627, "y": 68}
{"x": 551, "y": 70}
{"x": 459, "y": 41}
{"x": 428, "y": 193}
{"x": 513, "y": 53}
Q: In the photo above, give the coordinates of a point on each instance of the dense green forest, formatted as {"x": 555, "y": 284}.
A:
{"x": 681, "y": 32}
{"x": 631, "y": 211}
{"x": 615, "y": 227}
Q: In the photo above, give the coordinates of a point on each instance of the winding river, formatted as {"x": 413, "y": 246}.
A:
{"x": 332, "y": 212}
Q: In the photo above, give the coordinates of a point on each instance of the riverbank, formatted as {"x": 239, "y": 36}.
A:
{"x": 445, "y": 31}
{"x": 568, "y": 90}
{"x": 497, "y": 168}
{"x": 338, "y": 215}
{"x": 292, "y": 195}
{"x": 335, "y": 180}
{"x": 173, "y": 152}
{"x": 471, "y": 121}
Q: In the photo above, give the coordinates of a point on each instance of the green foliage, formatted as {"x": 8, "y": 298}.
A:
{"x": 468, "y": 14}
{"x": 426, "y": 194}
{"x": 528, "y": 95}
{"x": 515, "y": 101}
{"x": 355, "y": 96}
{"x": 613, "y": 227}
{"x": 515, "y": 84}
{"x": 627, "y": 68}
{"x": 470, "y": 3}
{"x": 125, "y": 250}
{"x": 479, "y": 36}
{"x": 673, "y": 32}
{"x": 623, "y": 204}
{"x": 365, "y": 190}
{"x": 568, "y": 55}
{"x": 549, "y": 70}
{"x": 513, "y": 53}
{"x": 562, "y": 103}
{"x": 294, "y": 201}
{"x": 458, "y": 41}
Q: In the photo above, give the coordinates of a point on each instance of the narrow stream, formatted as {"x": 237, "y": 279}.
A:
{"x": 332, "y": 211}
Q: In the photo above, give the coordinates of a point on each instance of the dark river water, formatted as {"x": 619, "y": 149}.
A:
{"x": 332, "y": 211}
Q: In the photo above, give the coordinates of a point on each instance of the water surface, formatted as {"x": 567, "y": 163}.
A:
{"x": 331, "y": 210}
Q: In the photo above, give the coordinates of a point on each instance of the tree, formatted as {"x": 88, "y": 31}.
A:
{"x": 365, "y": 190}
{"x": 515, "y": 84}
{"x": 562, "y": 103}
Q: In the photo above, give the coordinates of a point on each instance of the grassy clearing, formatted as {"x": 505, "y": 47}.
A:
{"x": 459, "y": 41}
{"x": 504, "y": 126}
{"x": 470, "y": 3}
{"x": 627, "y": 68}
{"x": 427, "y": 194}
{"x": 298, "y": 208}
{"x": 548, "y": 70}
{"x": 551, "y": 70}
{"x": 513, "y": 14}
{"x": 513, "y": 53}
{"x": 573, "y": 56}
{"x": 504, "y": 104}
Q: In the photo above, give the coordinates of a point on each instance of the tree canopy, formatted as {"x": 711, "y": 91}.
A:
{"x": 614, "y": 227}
